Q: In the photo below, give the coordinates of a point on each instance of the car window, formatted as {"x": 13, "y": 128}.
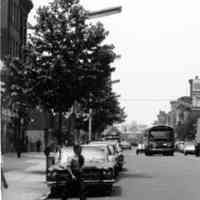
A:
{"x": 111, "y": 149}
{"x": 115, "y": 148}
{"x": 94, "y": 154}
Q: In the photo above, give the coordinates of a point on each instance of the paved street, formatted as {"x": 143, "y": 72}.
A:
{"x": 158, "y": 178}
{"x": 152, "y": 178}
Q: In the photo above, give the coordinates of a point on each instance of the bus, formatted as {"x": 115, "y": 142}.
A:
{"x": 159, "y": 139}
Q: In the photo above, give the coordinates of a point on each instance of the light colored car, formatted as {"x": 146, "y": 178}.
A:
{"x": 189, "y": 148}
{"x": 118, "y": 152}
{"x": 125, "y": 144}
{"x": 112, "y": 157}
{"x": 180, "y": 146}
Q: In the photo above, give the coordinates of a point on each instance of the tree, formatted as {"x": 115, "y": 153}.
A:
{"x": 187, "y": 130}
{"x": 65, "y": 60}
{"x": 16, "y": 95}
{"x": 106, "y": 110}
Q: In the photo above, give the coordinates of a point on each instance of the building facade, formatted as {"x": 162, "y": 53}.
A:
{"x": 13, "y": 31}
{"x": 14, "y": 14}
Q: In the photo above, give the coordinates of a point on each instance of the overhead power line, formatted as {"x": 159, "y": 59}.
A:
{"x": 145, "y": 99}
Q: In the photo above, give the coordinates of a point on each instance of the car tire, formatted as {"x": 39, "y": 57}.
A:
{"x": 109, "y": 190}
{"x": 197, "y": 153}
{"x": 185, "y": 154}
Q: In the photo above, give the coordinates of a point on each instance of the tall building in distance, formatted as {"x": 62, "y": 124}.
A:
{"x": 13, "y": 25}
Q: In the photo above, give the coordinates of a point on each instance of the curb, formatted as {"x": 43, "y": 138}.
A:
{"x": 44, "y": 196}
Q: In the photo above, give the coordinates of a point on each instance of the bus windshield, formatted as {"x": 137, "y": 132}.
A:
{"x": 161, "y": 135}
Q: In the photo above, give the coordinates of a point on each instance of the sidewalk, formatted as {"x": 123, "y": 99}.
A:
{"x": 25, "y": 176}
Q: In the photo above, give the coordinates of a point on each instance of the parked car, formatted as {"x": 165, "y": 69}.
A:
{"x": 189, "y": 148}
{"x": 97, "y": 169}
{"x": 125, "y": 144}
{"x": 112, "y": 156}
{"x": 117, "y": 151}
{"x": 179, "y": 145}
{"x": 140, "y": 148}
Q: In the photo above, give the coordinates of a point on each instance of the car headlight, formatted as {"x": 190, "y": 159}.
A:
{"x": 107, "y": 172}
{"x": 170, "y": 145}
{"x": 52, "y": 174}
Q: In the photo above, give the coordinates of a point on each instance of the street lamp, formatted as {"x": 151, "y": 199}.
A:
{"x": 104, "y": 12}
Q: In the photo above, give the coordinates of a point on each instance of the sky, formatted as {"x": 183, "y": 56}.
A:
{"x": 159, "y": 43}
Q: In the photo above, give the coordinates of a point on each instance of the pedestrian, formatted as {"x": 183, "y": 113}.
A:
{"x": 75, "y": 167}
{"x": 3, "y": 179}
{"x": 19, "y": 146}
{"x": 38, "y": 145}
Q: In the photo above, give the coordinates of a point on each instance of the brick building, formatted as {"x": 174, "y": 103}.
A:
{"x": 13, "y": 26}
{"x": 13, "y": 30}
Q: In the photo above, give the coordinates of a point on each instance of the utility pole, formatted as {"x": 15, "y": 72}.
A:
{"x": 90, "y": 124}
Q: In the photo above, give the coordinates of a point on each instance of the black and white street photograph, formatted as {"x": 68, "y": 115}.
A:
{"x": 100, "y": 99}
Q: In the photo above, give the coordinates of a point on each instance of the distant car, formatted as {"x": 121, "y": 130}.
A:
{"x": 125, "y": 144}
{"x": 97, "y": 169}
{"x": 180, "y": 146}
{"x": 140, "y": 148}
{"x": 189, "y": 148}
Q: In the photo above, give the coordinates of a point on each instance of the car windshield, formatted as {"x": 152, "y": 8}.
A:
{"x": 161, "y": 135}
{"x": 93, "y": 154}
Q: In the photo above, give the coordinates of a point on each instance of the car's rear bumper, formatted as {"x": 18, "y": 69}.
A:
{"x": 161, "y": 150}
{"x": 86, "y": 181}
{"x": 189, "y": 151}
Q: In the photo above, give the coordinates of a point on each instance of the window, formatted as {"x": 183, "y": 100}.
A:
{"x": 12, "y": 13}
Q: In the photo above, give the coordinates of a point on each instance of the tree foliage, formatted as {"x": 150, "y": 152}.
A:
{"x": 65, "y": 61}
{"x": 188, "y": 129}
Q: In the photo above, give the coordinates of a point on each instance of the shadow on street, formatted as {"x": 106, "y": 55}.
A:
{"x": 136, "y": 175}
